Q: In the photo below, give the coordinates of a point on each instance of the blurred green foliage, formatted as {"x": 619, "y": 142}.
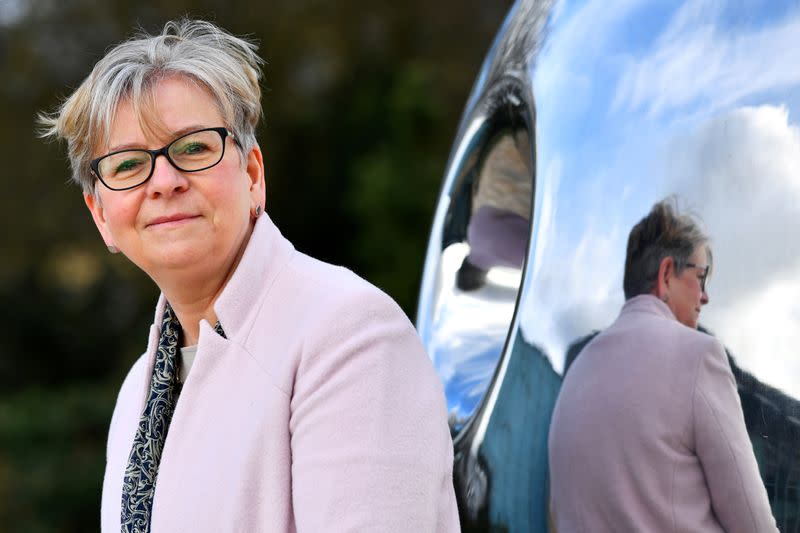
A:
{"x": 361, "y": 99}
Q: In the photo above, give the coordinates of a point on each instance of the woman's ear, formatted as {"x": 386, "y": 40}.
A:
{"x": 666, "y": 271}
{"x": 98, "y": 215}
{"x": 255, "y": 172}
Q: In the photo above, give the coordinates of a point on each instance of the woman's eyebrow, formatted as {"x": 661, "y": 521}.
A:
{"x": 173, "y": 135}
{"x": 126, "y": 146}
{"x": 188, "y": 129}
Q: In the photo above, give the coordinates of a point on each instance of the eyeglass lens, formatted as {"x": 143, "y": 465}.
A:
{"x": 192, "y": 152}
{"x": 703, "y": 277}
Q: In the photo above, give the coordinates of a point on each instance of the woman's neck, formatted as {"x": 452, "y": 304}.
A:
{"x": 192, "y": 295}
{"x": 190, "y": 313}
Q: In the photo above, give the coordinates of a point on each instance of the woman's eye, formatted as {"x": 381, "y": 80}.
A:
{"x": 192, "y": 148}
{"x": 128, "y": 164}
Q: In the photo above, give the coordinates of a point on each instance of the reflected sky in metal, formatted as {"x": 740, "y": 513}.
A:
{"x": 637, "y": 101}
{"x": 469, "y": 332}
{"x": 480, "y": 235}
{"x": 625, "y": 102}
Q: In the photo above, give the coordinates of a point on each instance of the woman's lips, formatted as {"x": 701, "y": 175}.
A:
{"x": 171, "y": 220}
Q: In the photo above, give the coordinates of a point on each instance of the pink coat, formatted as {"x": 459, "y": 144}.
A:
{"x": 320, "y": 413}
{"x": 648, "y": 434}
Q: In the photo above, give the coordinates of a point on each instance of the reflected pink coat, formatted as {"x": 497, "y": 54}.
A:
{"x": 648, "y": 434}
{"x": 320, "y": 412}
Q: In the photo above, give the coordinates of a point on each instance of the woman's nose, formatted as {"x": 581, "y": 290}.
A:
{"x": 166, "y": 179}
{"x": 704, "y": 298}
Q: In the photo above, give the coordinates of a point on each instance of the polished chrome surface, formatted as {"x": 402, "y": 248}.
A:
{"x": 478, "y": 246}
{"x": 634, "y": 101}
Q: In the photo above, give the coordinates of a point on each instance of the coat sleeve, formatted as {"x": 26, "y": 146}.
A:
{"x": 737, "y": 492}
{"x": 371, "y": 449}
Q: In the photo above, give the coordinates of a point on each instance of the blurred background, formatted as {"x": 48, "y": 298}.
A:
{"x": 361, "y": 100}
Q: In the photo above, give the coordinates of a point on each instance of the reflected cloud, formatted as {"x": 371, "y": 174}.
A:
{"x": 743, "y": 169}
{"x": 698, "y": 62}
{"x": 627, "y": 119}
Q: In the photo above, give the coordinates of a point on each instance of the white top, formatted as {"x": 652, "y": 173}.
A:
{"x": 187, "y": 354}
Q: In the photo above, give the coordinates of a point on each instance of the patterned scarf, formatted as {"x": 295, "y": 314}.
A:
{"x": 142, "y": 470}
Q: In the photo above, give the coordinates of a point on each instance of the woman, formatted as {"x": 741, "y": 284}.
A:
{"x": 277, "y": 393}
{"x": 648, "y": 432}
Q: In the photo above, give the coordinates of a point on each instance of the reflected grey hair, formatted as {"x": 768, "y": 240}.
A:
{"x": 226, "y": 66}
{"x": 664, "y": 232}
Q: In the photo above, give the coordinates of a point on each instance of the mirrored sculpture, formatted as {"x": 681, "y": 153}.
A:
{"x": 584, "y": 114}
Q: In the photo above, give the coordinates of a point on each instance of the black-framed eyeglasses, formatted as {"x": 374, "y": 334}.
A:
{"x": 192, "y": 152}
{"x": 703, "y": 277}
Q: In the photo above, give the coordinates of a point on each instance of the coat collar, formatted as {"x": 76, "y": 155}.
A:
{"x": 647, "y": 303}
{"x": 266, "y": 254}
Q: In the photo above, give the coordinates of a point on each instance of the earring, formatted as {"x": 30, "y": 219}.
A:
{"x": 258, "y": 211}
{"x": 113, "y": 249}
{"x": 665, "y": 298}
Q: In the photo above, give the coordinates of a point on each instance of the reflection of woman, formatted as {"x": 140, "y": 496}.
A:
{"x": 501, "y": 211}
{"x": 648, "y": 433}
{"x": 277, "y": 393}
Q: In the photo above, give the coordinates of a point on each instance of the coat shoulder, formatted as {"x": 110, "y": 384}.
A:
{"x": 322, "y": 293}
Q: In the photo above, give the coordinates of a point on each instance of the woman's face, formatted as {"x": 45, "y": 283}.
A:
{"x": 685, "y": 296}
{"x": 194, "y": 224}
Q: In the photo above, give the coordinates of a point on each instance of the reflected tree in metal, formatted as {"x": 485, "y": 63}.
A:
{"x": 584, "y": 114}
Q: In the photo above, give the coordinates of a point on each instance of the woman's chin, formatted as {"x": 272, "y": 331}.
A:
{"x": 177, "y": 257}
{"x": 690, "y": 323}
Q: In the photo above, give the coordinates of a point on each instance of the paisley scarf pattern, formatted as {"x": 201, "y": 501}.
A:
{"x": 140, "y": 474}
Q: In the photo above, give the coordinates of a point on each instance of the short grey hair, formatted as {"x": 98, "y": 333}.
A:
{"x": 225, "y": 65}
{"x": 664, "y": 232}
